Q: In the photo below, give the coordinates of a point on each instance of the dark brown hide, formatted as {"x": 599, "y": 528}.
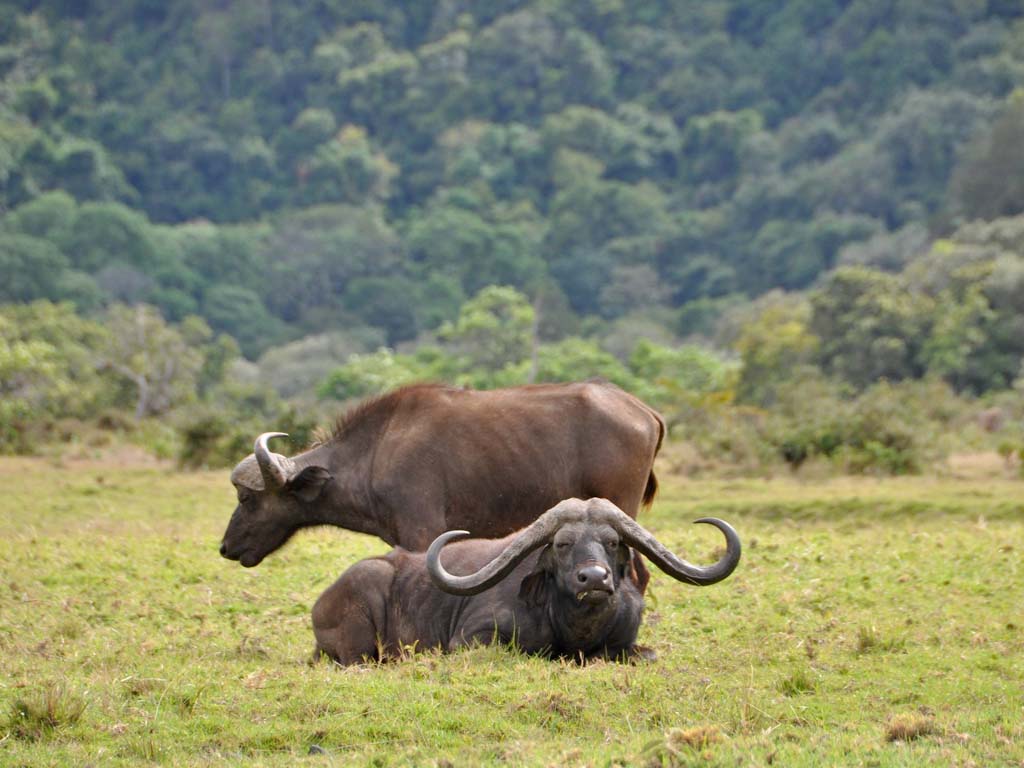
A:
{"x": 572, "y": 592}
{"x": 426, "y": 459}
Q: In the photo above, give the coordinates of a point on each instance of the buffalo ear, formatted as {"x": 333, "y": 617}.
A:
{"x": 635, "y": 570}
{"x": 308, "y": 483}
{"x": 533, "y": 588}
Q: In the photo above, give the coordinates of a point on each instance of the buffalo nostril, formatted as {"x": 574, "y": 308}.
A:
{"x": 223, "y": 550}
{"x": 592, "y": 574}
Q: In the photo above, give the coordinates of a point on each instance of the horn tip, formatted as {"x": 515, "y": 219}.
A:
{"x": 263, "y": 438}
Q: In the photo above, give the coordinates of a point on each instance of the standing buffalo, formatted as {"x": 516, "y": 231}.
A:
{"x": 575, "y": 597}
{"x": 425, "y": 459}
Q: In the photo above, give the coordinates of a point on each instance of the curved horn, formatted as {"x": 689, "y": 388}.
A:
{"x": 275, "y": 475}
{"x": 644, "y": 542}
{"x": 529, "y": 539}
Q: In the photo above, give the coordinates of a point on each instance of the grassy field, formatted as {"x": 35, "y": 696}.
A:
{"x": 871, "y": 622}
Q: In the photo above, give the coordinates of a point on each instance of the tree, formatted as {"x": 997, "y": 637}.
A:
{"x": 46, "y": 217}
{"x": 959, "y": 333}
{"x": 494, "y": 329}
{"x": 48, "y": 369}
{"x": 312, "y": 254}
{"x": 576, "y": 359}
{"x": 222, "y": 254}
{"x": 630, "y": 287}
{"x": 631, "y": 145}
{"x": 511, "y": 63}
{"x": 460, "y": 243}
{"x": 384, "y": 303}
{"x": 345, "y": 169}
{"x": 31, "y": 268}
{"x": 989, "y": 181}
{"x": 592, "y": 212}
{"x": 86, "y": 171}
{"x": 240, "y": 313}
{"x": 371, "y": 374}
{"x": 311, "y": 127}
{"x": 105, "y": 233}
{"x": 688, "y": 368}
{"x": 29, "y": 377}
{"x": 870, "y": 326}
{"x": 152, "y": 356}
{"x": 713, "y": 145}
{"x": 774, "y": 344}
{"x": 295, "y": 369}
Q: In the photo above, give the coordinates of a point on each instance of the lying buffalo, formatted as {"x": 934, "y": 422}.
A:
{"x": 576, "y": 597}
{"x": 425, "y": 459}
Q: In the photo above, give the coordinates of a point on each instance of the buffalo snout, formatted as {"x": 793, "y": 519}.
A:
{"x": 593, "y": 582}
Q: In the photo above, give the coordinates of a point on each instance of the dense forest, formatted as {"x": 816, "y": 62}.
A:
{"x": 257, "y": 208}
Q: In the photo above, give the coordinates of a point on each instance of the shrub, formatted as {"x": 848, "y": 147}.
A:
{"x": 878, "y": 431}
{"x": 218, "y": 437}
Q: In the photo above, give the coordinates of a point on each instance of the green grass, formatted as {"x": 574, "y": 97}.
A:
{"x": 871, "y": 622}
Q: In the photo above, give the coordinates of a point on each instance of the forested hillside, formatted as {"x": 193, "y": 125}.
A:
{"x": 508, "y": 191}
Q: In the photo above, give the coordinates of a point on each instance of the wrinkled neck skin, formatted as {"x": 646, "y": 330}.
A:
{"x": 584, "y": 630}
{"x": 345, "y": 500}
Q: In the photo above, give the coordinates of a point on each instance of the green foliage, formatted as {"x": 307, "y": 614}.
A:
{"x": 345, "y": 169}
{"x": 28, "y": 378}
{"x": 686, "y": 370}
{"x": 987, "y": 183}
{"x": 154, "y": 359}
{"x": 372, "y": 374}
{"x": 870, "y": 325}
{"x": 46, "y": 217}
{"x": 240, "y": 313}
{"x": 309, "y": 170}
{"x": 110, "y": 233}
{"x": 221, "y": 435}
{"x": 47, "y": 370}
{"x": 774, "y": 343}
{"x": 313, "y": 254}
{"x": 31, "y": 268}
{"x": 494, "y": 329}
{"x": 457, "y": 241}
{"x": 883, "y": 430}
{"x": 576, "y": 359}
{"x": 295, "y": 369}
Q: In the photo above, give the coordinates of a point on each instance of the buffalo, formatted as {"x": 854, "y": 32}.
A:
{"x": 563, "y": 587}
{"x": 429, "y": 458}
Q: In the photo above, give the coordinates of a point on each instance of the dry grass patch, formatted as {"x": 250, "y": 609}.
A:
{"x": 908, "y": 726}
{"x": 677, "y": 739}
{"x": 681, "y": 746}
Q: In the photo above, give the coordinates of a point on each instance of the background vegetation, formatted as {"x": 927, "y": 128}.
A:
{"x": 228, "y": 217}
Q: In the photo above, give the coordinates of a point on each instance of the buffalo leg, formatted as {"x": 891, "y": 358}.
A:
{"x": 350, "y": 617}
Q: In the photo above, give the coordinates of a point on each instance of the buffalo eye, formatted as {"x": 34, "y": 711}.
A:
{"x": 243, "y": 496}
{"x": 562, "y": 546}
{"x": 611, "y": 544}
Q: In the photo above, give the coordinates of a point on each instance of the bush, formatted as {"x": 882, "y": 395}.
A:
{"x": 203, "y": 439}
{"x": 879, "y": 431}
{"x": 16, "y": 433}
{"x": 215, "y": 437}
